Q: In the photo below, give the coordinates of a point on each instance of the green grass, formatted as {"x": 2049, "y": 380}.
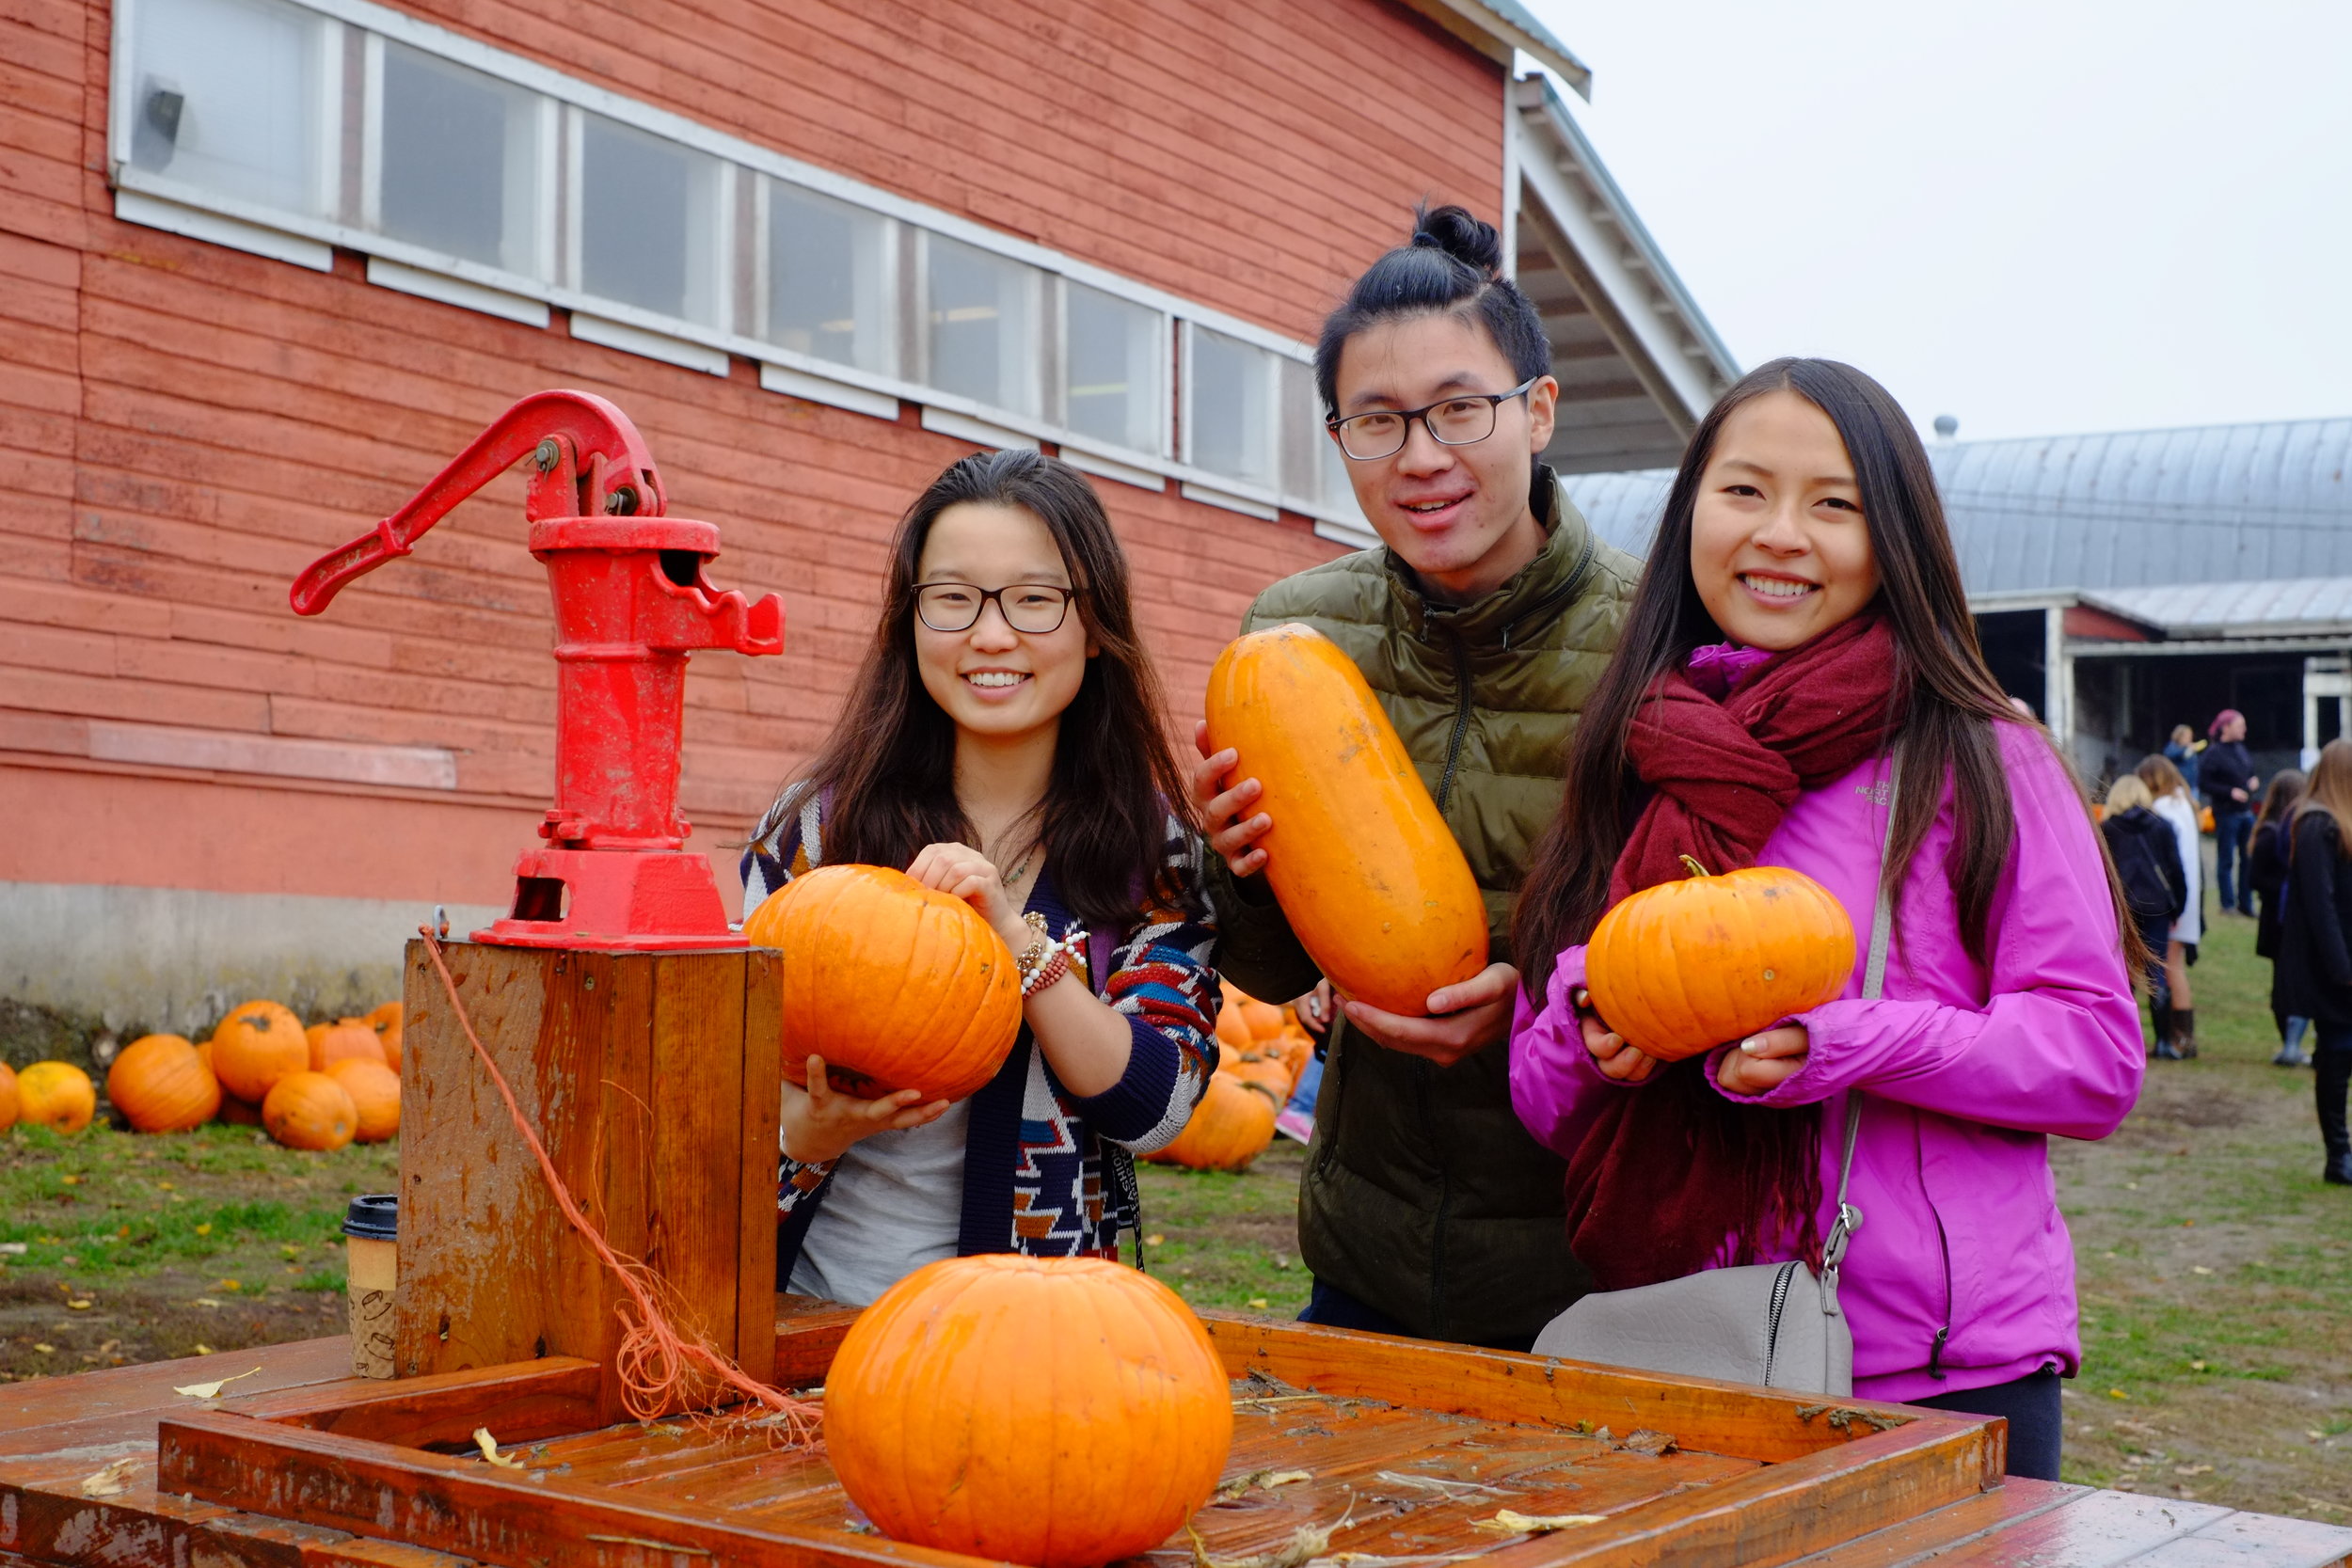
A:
{"x": 1228, "y": 1239}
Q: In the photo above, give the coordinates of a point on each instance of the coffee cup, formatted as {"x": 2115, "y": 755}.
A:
{"x": 372, "y": 1268}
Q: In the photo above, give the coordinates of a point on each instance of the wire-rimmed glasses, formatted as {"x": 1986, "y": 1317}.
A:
{"x": 1459, "y": 420}
{"x": 1031, "y": 608}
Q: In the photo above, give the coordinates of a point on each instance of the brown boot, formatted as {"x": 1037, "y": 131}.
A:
{"x": 2185, "y": 1033}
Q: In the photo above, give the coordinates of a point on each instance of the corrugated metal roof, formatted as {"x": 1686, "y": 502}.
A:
{"x": 2220, "y": 503}
{"x": 2279, "y": 606}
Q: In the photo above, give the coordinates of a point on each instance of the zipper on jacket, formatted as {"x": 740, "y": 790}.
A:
{"x": 1461, "y": 716}
{"x": 1935, "y": 1349}
{"x": 1772, "y": 1318}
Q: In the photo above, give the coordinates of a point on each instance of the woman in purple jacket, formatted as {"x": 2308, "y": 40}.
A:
{"x": 1801, "y": 630}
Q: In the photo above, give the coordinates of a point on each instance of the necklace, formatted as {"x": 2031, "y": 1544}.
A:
{"x": 1021, "y": 867}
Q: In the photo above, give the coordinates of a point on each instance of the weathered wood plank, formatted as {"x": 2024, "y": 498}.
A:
{"x": 806, "y": 1336}
{"x": 122, "y": 1404}
{"x": 1953, "y": 1525}
{"x": 521, "y": 1402}
{"x": 756, "y": 1149}
{"x": 2244, "y": 1539}
{"x": 2087, "y": 1529}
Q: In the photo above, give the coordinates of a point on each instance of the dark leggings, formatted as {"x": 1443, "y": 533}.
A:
{"x": 2037, "y": 1427}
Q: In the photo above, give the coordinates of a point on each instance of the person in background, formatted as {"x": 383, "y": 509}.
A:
{"x": 2314, "y": 966}
{"x": 1425, "y": 1208}
{"x": 2266, "y": 869}
{"x": 1800, "y": 633}
{"x": 1005, "y": 742}
{"x": 2147, "y": 859}
{"x": 2225, "y": 775}
{"x": 2173, "y": 804}
{"x": 2181, "y": 752}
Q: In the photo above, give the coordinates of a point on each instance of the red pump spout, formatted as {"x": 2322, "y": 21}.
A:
{"x": 630, "y": 603}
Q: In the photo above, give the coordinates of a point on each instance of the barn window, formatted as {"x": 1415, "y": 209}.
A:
{"x": 831, "y": 269}
{"x": 982, "y": 343}
{"x": 1229, "y": 408}
{"x": 1114, "y": 370}
{"x": 456, "y": 162}
{"x": 231, "y": 98}
{"x": 650, "y": 222}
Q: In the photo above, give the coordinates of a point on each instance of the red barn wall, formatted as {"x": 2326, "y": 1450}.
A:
{"x": 182, "y": 427}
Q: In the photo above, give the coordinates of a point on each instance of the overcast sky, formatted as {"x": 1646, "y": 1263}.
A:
{"x": 2039, "y": 215}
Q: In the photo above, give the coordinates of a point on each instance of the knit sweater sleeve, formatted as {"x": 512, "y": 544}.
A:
{"x": 1163, "y": 982}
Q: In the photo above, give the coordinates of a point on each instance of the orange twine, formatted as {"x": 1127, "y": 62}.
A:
{"x": 654, "y": 1360}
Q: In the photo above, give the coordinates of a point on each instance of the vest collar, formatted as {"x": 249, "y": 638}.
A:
{"x": 1528, "y": 597}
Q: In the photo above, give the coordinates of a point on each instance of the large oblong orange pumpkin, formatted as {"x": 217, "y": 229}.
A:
{"x": 905, "y": 986}
{"x": 1683, "y": 967}
{"x": 162, "y": 1085}
{"x": 1361, "y": 863}
{"x": 1060, "y": 1412}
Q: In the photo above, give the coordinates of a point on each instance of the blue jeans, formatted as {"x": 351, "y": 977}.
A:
{"x": 2037, "y": 1427}
{"x": 2231, "y": 829}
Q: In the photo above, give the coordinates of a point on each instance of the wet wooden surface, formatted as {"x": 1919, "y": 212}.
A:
{"x": 1392, "y": 1481}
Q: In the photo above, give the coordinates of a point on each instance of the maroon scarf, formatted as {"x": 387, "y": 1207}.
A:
{"x": 1671, "y": 1169}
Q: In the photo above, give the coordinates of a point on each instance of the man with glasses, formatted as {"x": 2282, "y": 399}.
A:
{"x": 1481, "y": 624}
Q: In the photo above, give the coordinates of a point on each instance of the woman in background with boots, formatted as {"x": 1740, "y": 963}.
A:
{"x": 2174, "y": 803}
{"x": 2267, "y": 873}
{"x": 2147, "y": 861}
{"x": 2314, "y": 976}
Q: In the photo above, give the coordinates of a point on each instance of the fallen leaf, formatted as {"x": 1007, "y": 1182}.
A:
{"x": 1645, "y": 1441}
{"x": 70, "y": 1181}
{"x": 205, "y": 1230}
{"x": 490, "y": 1450}
{"x": 2192, "y": 1470}
{"x": 1155, "y": 1240}
{"x": 2196, "y": 1366}
{"x": 52, "y": 1350}
{"x": 15, "y": 1250}
{"x": 228, "y": 1285}
{"x": 1445, "y": 1486}
{"x": 2118, "y": 1394}
{"x": 206, "y": 1301}
{"x": 1306, "y": 1543}
{"x": 2199, "y": 1268}
{"x": 1258, "y": 1302}
{"x": 212, "y": 1390}
{"x": 162, "y": 1186}
{"x": 79, "y": 1304}
{"x": 204, "y": 1350}
{"x": 1267, "y": 1480}
{"x": 113, "y": 1480}
{"x": 1511, "y": 1522}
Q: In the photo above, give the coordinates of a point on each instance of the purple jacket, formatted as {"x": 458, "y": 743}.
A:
{"x": 1962, "y": 1275}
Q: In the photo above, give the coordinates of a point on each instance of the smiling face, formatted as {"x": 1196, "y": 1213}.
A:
{"x": 1779, "y": 550}
{"x": 997, "y": 684}
{"x": 1458, "y": 516}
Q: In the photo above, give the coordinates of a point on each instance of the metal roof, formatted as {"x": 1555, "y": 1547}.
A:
{"x": 2280, "y": 607}
{"x": 2237, "y": 504}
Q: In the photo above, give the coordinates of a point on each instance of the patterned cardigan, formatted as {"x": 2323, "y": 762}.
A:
{"x": 1047, "y": 1172}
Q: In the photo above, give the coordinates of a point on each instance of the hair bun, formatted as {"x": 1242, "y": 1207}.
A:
{"x": 1456, "y": 232}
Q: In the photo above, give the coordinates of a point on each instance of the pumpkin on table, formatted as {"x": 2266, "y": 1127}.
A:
{"x": 375, "y": 1091}
{"x": 56, "y": 1095}
{"x": 309, "y": 1110}
{"x": 941, "y": 1427}
{"x": 161, "y": 1084}
{"x": 1683, "y": 967}
{"x": 884, "y": 978}
{"x": 1364, "y": 867}
{"x": 256, "y": 1045}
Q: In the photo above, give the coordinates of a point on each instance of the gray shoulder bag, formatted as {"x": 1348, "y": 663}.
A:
{"x": 1777, "y": 1324}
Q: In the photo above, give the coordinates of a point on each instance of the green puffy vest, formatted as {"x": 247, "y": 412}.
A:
{"x": 1424, "y": 1197}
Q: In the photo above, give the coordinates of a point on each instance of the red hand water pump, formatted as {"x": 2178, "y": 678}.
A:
{"x": 630, "y": 602}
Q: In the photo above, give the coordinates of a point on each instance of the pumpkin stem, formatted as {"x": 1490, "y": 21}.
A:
{"x": 1696, "y": 869}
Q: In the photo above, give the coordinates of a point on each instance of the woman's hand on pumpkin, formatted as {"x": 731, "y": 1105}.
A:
{"x": 1234, "y": 827}
{"x": 962, "y": 872}
{"x": 1612, "y": 1053}
{"x": 1762, "y": 1063}
{"x": 821, "y": 1122}
{"x": 1463, "y": 1017}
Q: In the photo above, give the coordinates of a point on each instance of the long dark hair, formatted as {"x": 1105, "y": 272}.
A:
{"x": 1451, "y": 264}
{"x": 1950, "y": 701}
{"x": 887, "y": 773}
{"x": 2285, "y": 791}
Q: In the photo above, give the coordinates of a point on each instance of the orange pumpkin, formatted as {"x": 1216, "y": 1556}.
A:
{"x": 8, "y": 1097}
{"x": 906, "y": 987}
{"x": 348, "y": 1039}
{"x": 56, "y": 1094}
{"x": 1683, "y": 967}
{"x": 309, "y": 1110}
{"x": 1231, "y": 1127}
{"x": 161, "y": 1084}
{"x": 375, "y": 1091}
{"x": 1364, "y": 867}
{"x": 256, "y": 1045}
{"x": 385, "y": 1021}
{"x": 941, "y": 1429}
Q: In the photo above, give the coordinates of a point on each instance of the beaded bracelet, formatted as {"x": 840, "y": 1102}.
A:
{"x": 1056, "y": 961}
{"x": 1039, "y": 949}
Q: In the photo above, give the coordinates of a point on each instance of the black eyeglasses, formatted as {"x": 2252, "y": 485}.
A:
{"x": 1457, "y": 422}
{"x": 1033, "y": 608}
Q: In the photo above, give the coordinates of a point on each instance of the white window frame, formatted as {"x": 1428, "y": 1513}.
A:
{"x": 1335, "y": 517}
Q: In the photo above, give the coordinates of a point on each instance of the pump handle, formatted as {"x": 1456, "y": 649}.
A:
{"x": 589, "y": 460}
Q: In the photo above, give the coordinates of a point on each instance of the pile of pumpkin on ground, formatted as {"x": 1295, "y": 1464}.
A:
{"x": 321, "y": 1087}
{"x": 1262, "y": 1048}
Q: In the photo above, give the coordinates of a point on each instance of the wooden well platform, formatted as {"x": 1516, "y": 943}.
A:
{"x": 1408, "y": 1446}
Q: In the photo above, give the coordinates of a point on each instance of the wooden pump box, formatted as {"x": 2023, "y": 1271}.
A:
{"x": 652, "y": 1078}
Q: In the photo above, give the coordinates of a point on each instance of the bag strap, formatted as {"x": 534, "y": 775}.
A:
{"x": 1873, "y": 985}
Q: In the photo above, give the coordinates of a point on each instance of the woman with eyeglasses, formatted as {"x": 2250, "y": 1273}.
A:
{"x": 1005, "y": 742}
{"x": 1482, "y": 622}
